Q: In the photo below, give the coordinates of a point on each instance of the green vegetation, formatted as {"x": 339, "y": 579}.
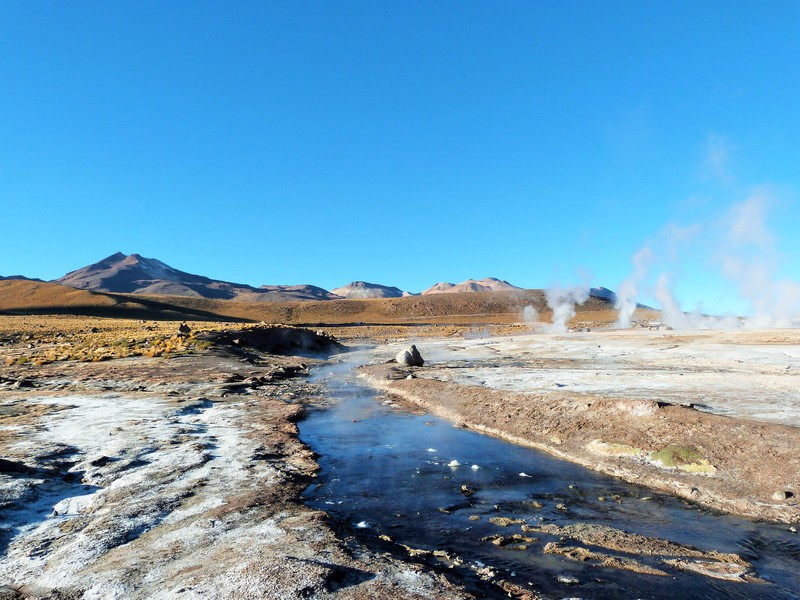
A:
{"x": 686, "y": 458}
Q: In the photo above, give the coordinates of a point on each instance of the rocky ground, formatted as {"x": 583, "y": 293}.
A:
{"x": 706, "y": 416}
{"x": 173, "y": 477}
{"x": 138, "y": 463}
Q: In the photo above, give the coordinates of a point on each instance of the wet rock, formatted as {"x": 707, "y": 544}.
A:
{"x": 601, "y": 559}
{"x": 467, "y": 491}
{"x": 727, "y": 571}
{"x": 454, "y": 507}
{"x": 568, "y": 579}
{"x": 505, "y": 540}
{"x": 410, "y": 357}
{"x": 506, "y": 521}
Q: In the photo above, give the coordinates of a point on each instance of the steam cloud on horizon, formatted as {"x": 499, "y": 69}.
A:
{"x": 746, "y": 255}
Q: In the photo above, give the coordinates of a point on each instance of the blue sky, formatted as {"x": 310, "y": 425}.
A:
{"x": 403, "y": 143}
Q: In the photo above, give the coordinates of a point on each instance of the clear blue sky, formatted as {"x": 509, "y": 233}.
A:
{"x": 402, "y": 143}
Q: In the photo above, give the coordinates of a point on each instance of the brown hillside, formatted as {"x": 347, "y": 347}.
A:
{"x": 462, "y": 309}
{"x": 26, "y": 297}
{"x": 20, "y": 297}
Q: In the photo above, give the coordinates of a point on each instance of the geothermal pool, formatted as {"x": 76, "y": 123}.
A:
{"x": 386, "y": 472}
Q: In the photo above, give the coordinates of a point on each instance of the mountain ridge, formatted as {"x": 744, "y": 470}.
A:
{"x": 364, "y": 289}
{"x": 487, "y": 284}
{"x": 135, "y": 274}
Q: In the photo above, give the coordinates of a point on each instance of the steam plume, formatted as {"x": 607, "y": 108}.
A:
{"x": 562, "y": 302}
{"x": 629, "y": 289}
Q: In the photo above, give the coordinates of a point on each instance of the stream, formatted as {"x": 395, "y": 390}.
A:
{"x": 385, "y": 471}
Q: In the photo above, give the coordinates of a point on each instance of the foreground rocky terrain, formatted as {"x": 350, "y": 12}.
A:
{"x": 160, "y": 459}
{"x": 171, "y": 477}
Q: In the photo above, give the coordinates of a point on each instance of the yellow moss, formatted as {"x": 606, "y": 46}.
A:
{"x": 685, "y": 458}
{"x": 612, "y": 449}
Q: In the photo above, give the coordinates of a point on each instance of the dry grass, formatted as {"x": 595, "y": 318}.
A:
{"x": 462, "y": 310}
{"x": 40, "y": 340}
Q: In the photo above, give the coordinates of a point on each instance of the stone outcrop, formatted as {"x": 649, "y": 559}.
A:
{"x": 410, "y": 357}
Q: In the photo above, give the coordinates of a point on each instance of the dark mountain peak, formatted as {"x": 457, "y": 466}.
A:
{"x": 136, "y": 274}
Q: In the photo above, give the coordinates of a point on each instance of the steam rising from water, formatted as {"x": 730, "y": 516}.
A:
{"x": 562, "y": 302}
{"x": 746, "y": 255}
{"x": 629, "y": 289}
{"x": 750, "y": 259}
{"x": 530, "y": 314}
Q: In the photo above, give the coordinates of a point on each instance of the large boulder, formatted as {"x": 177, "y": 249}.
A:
{"x": 410, "y": 357}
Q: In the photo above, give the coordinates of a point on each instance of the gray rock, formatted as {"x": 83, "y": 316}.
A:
{"x": 410, "y": 357}
{"x": 568, "y": 579}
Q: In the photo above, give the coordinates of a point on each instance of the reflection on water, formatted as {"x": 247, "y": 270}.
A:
{"x": 387, "y": 472}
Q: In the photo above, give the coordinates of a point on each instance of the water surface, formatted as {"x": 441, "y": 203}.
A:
{"x": 385, "y": 471}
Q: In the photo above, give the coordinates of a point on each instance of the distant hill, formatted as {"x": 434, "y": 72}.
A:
{"x": 362, "y": 289}
{"x": 487, "y": 284}
{"x": 28, "y": 297}
{"x": 18, "y": 278}
{"x": 603, "y": 294}
{"x": 135, "y": 274}
{"x": 20, "y": 297}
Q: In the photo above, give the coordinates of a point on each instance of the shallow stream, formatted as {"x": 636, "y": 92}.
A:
{"x": 385, "y": 471}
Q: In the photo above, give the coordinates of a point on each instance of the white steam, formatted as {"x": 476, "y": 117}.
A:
{"x": 749, "y": 259}
{"x": 562, "y": 302}
{"x": 671, "y": 311}
{"x": 530, "y": 314}
{"x": 628, "y": 290}
{"x": 745, "y": 253}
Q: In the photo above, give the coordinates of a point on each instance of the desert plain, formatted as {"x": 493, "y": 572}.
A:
{"x": 141, "y": 461}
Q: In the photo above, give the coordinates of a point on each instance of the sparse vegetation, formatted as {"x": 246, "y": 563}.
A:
{"x": 686, "y": 458}
{"x": 612, "y": 449}
{"x": 48, "y": 339}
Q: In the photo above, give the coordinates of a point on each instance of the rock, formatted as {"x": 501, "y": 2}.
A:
{"x": 506, "y": 521}
{"x": 410, "y": 357}
{"x": 568, "y": 580}
{"x": 782, "y": 495}
{"x": 184, "y": 329}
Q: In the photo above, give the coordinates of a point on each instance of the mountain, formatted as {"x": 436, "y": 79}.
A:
{"x": 135, "y": 274}
{"x": 19, "y": 278}
{"x": 362, "y": 289}
{"x": 299, "y": 292}
{"x": 603, "y": 294}
{"x": 487, "y": 284}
